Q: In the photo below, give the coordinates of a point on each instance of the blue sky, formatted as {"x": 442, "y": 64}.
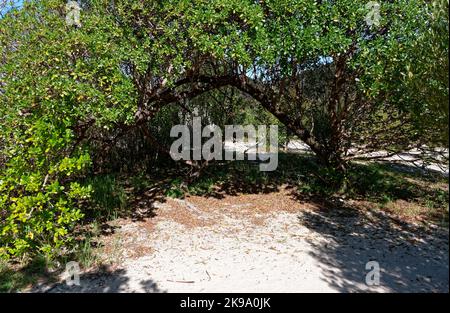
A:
{"x": 9, "y": 5}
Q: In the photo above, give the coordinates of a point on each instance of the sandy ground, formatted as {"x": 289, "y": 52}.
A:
{"x": 266, "y": 243}
{"x": 413, "y": 157}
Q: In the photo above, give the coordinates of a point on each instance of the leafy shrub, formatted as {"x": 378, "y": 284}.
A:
{"x": 39, "y": 195}
{"x": 56, "y": 81}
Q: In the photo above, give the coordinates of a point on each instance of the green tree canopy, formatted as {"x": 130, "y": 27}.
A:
{"x": 332, "y": 78}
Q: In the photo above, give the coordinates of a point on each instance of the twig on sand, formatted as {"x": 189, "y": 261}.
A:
{"x": 189, "y": 205}
{"x": 181, "y": 281}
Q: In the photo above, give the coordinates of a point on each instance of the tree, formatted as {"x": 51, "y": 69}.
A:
{"x": 426, "y": 82}
{"x": 57, "y": 82}
{"x": 334, "y": 80}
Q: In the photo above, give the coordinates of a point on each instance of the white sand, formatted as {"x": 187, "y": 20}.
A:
{"x": 291, "y": 252}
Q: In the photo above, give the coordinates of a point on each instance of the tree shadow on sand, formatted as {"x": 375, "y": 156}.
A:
{"x": 103, "y": 280}
{"x": 411, "y": 258}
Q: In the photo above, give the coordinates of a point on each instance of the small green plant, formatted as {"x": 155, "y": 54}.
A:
{"x": 202, "y": 187}
{"x": 175, "y": 189}
{"x": 85, "y": 253}
{"x": 385, "y": 199}
{"x": 108, "y": 196}
{"x": 139, "y": 183}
